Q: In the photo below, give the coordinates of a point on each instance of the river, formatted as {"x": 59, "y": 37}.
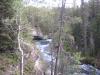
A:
{"x": 85, "y": 69}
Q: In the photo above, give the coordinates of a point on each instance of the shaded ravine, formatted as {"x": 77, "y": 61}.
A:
{"x": 44, "y": 56}
{"x": 84, "y": 69}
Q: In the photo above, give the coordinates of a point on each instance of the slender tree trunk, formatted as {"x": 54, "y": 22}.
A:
{"x": 84, "y": 24}
{"x": 51, "y": 61}
{"x": 92, "y": 42}
{"x": 61, "y": 60}
{"x": 60, "y": 36}
{"x": 21, "y": 65}
{"x": 18, "y": 21}
{"x": 56, "y": 62}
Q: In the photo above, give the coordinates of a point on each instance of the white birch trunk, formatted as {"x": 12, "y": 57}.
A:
{"x": 19, "y": 44}
{"x": 21, "y": 51}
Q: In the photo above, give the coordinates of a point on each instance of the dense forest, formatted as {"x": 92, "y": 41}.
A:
{"x": 74, "y": 31}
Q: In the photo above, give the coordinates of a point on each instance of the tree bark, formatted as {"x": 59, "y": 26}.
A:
{"x": 18, "y": 21}
{"x": 84, "y": 25}
{"x": 59, "y": 48}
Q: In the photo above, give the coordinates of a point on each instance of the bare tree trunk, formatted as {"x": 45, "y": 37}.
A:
{"x": 21, "y": 65}
{"x": 51, "y": 61}
{"x": 61, "y": 60}
{"x": 92, "y": 42}
{"x": 84, "y": 24}
{"x": 18, "y": 21}
{"x": 60, "y": 36}
{"x": 56, "y": 62}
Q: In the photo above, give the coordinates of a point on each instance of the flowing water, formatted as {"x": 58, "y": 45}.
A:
{"x": 84, "y": 69}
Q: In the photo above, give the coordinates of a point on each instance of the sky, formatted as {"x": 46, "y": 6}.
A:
{"x": 51, "y": 3}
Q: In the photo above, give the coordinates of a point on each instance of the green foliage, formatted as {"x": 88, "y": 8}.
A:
{"x": 27, "y": 34}
{"x": 17, "y": 5}
{"x": 77, "y": 32}
{"x": 93, "y": 28}
{"x": 37, "y": 18}
{"x": 6, "y": 60}
{"x": 67, "y": 48}
{"x": 6, "y": 8}
{"x": 12, "y": 58}
{"x": 94, "y": 20}
{"x": 78, "y": 57}
{"x": 7, "y": 36}
{"x": 29, "y": 68}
